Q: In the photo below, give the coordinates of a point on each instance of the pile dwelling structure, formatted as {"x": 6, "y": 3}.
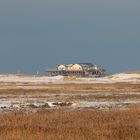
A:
{"x": 78, "y": 69}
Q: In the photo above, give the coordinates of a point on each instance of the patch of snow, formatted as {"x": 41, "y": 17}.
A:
{"x": 16, "y": 106}
{"x": 51, "y": 104}
{"x": 38, "y": 104}
{"x": 125, "y": 76}
{"x": 96, "y": 104}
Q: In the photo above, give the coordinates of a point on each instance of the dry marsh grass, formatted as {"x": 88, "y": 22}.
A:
{"x": 68, "y": 86}
{"x": 82, "y": 124}
{"x": 71, "y": 125}
{"x": 94, "y": 86}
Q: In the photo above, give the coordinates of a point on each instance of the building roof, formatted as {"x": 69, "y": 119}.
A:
{"x": 82, "y": 64}
{"x": 86, "y": 64}
{"x": 69, "y": 65}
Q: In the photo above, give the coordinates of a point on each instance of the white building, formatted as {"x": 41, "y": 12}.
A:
{"x": 78, "y": 69}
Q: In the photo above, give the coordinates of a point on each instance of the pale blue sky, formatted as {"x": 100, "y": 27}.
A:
{"x": 37, "y": 34}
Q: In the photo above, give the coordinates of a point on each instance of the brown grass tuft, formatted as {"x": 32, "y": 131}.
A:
{"x": 71, "y": 125}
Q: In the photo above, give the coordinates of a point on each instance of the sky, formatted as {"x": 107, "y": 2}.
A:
{"x": 40, "y": 34}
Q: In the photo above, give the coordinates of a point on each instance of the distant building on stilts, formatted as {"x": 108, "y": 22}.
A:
{"x": 78, "y": 69}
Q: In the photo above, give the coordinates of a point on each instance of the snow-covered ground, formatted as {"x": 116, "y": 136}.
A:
{"x": 24, "y": 98}
{"x": 29, "y": 79}
{"x": 116, "y": 78}
{"x": 126, "y": 76}
{"x": 122, "y": 77}
{"x": 107, "y": 104}
{"x": 25, "y": 104}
